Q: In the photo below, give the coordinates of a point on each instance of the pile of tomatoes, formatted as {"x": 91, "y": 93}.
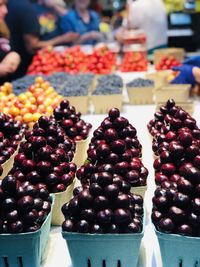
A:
{"x": 73, "y": 60}
{"x": 134, "y": 61}
{"x": 167, "y": 63}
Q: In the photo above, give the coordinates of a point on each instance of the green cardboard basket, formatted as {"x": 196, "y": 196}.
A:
{"x": 179, "y": 251}
{"x": 106, "y": 250}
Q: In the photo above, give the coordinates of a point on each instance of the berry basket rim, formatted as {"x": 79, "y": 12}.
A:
{"x": 175, "y": 237}
{"x": 93, "y": 237}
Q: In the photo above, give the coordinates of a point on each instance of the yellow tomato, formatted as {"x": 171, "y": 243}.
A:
{"x": 22, "y": 98}
{"x": 45, "y": 85}
{"x": 14, "y": 111}
{"x": 36, "y": 116}
{"x": 49, "y": 90}
{"x": 32, "y": 100}
{"x": 8, "y": 87}
{"x": 39, "y": 80}
{"x": 24, "y": 111}
{"x": 28, "y": 117}
{"x": 29, "y": 94}
{"x": 6, "y": 110}
{"x": 48, "y": 102}
{"x": 49, "y": 110}
{"x": 1, "y": 94}
{"x": 18, "y": 118}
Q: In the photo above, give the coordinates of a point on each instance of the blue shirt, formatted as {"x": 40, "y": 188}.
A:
{"x": 72, "y": 22}
{"x": 49, "y": 22}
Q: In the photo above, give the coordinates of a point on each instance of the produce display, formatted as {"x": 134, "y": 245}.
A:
{"x": 167, "y": 63}
{"x": 75, "y": 128}
{"x": 134, "y": 61}
{"x": 44, "y": 159}
{"x": 108, "y": 85}
{"x": 11, "y": 134}
{"x": 73, "y": 60}
{"x": 40, "y": 99}
{"x": 176, "y": 203}
{"x": 24, "y": 207}
{"x": 139, "y": 82}
{"x": 116, "y": 149}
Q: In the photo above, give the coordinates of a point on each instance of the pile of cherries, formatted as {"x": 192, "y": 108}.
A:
{"x": 115, "y": 148}
{"x": 44, "y": 159}
{"x": 23, "y": 207}
{"x": 11, "y": 134}
{"x": 74, "y": 127}
{"x": 176, "y": 204}
{"x": 105, "y": 205}
{"x": 171, "y": 118}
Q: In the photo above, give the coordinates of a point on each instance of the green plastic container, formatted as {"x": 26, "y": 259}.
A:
{"x": 107, "y": 250}
{"x": 24, "y": 250}
{"x": 179, "y": 251}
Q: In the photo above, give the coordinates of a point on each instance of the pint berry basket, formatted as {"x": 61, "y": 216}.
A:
{"x": 179, "y": 251}
{"x": 59, "y": 200}
{"x": 139, "y": 190}
{"x": 81, "y": 152}
{"x": 24, "y": 250}
{"x": 110, "y": 250}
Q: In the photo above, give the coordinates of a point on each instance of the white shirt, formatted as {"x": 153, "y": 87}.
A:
{"x": 150, "y": 16}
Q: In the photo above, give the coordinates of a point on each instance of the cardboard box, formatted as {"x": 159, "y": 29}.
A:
{"x": 160, "y": 78}
{"x": 178, "y": 92}
{"x": 81, "y": 103}
{"x": 81, "y": 152}
{"x": 177, "y": 53}
{"x": 140, "y": 95}
{"x": 103, "y": 103}
{"x": 59, "y": 201}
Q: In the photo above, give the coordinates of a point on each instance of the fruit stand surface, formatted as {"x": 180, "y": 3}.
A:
{"x": 139, "y": 116}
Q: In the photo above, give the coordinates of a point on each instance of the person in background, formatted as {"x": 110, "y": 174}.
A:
{"x": 149, "y": 16}
{"x": 49, "y": 16}
{"x": 9, "y": 61}
{"x": 24, "y": 28}
{"x": 83, "y": 21}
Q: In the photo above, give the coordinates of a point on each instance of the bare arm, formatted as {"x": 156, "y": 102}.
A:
{"x": 33, "y": 43}
{"x": 9, "y": 64}
{"x": 93, "y": 35}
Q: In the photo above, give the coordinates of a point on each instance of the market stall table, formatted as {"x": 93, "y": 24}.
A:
{"x": 139, "y": 116}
